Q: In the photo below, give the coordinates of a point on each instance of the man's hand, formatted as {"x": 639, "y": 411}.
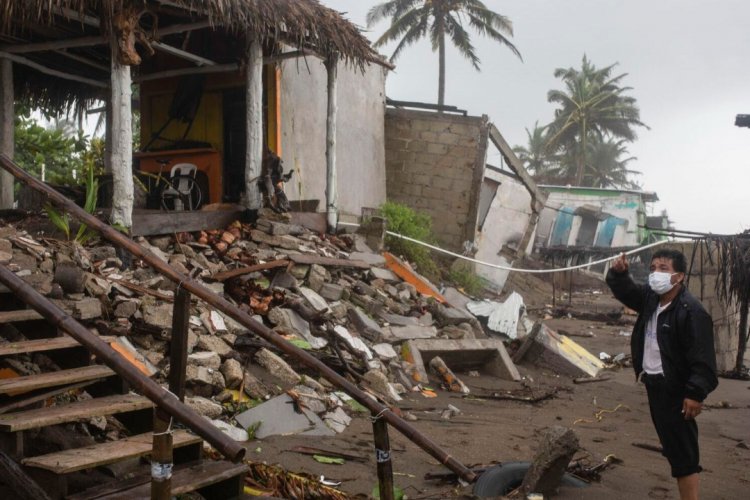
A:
{"x": 620, "y": 264}
{"x": 691, "y": 408}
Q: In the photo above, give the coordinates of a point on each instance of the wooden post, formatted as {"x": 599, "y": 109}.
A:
{"x": 254, "y": 124}
{"x": 331, "y": 190}
{"x": 383, "y": 458}
{"x": 570, "y": 287}
{"x": 121, "y": 153}
{"x": 6, "y": 130}
{"x": 179, "y": 345}
{"x": 108, "y": 136}
{"x": 161, "y": 457}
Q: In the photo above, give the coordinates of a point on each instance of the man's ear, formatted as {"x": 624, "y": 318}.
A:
{"x": 681, "y": 278}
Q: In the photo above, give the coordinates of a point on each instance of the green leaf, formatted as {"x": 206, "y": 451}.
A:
{"x": 301, "y": 343}
{"x": 329, "y": 460}
{"x": 398, "y": 493}
{"x": 60, "y": 220}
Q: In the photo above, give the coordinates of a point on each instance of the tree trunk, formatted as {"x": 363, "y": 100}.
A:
{"x": 441, "y": 66}
{"x": 254, "y": 124}
{"x": 581, "y": 156}
{"x": 108, "y": 136}
{"x": 121, "y": 154}
{"x": 332, "y": 197}
{"x": 6, "y": 130}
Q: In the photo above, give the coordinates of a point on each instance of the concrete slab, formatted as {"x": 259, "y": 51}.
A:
{"x": 397, "y": 319}
{"x": 365, "y": 325}
{"x": 560, "y": 354}
{"x": 410, "y": 332}
{"x": 371, "y": 259}
{"x": 461, "y": 355}
{"x": 384, "y": 274}
{"x": 277, "y": 416}
{"x": 456, "y": 298}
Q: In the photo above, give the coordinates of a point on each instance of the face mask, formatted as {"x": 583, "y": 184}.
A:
{"x": 660, "y": 283}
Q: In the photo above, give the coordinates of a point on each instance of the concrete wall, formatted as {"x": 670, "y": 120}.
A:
{"x": 360, "y": 152}
{"x": 434, "y": 164}
{"x": 505, "y": 224}
{"x": 627, "y": 206}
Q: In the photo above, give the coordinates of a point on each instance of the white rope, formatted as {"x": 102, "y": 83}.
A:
{"x": 517, "y": 270}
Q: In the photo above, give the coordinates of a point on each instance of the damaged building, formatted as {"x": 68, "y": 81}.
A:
{"x": 437, "y": 163}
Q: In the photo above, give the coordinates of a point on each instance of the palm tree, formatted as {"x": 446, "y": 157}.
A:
{"x": 542, "y": 164}
{"x": 412, "y": 20}
{"x": 592, "y": 104}
{"x": 607, "y": 162}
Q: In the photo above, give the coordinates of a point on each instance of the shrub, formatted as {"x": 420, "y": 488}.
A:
{"x": 408, "y": 222}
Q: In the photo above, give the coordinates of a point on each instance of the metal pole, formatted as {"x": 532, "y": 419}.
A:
{"x": 243, "y": 318}
{"x": 163, "y": 398}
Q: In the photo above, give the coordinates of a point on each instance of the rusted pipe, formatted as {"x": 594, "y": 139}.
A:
{"x": 243, "y": 318}
{"x": 163, "y": 398}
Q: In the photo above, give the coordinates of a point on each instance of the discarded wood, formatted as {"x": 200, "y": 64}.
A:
{"x": 142, "y": 289}
{"x": 27, "y": 401}
{"x": 151, "y": 223}
{"x": 586, "y": 380}
{"x": 557, "y": 448}
{"x": 213, "y": 435}
{"x": 303, "y": 258}
{"x": 233, "y": 273}
{"x": 18, "y": 481}
{"x": 648, "y": 446}
{"x": 306, "y": 450}
{"x": 21, "y": 315}
{"x": 527, "y": 342}
{"x": 512, "y": 397}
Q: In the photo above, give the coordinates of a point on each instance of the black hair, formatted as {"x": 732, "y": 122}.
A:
{"x": 679, "y": 263}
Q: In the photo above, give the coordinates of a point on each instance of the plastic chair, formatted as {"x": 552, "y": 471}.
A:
{"x": 183, "y": 186}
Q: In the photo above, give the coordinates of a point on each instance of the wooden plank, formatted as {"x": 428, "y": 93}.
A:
{"x": 153, "y": 223}
{"x": 40, "y": 345}
{"x": 71, "y": 412}
{"x": 67, "y": 461}
{"x": 20, "y": 385}
{"x": 27, "y": 400}
{"x": 20, "y": 315}
{"x": 303, "y": 258}
{"x": 233, "y": 273}
{"x": 186, "y": 480}
{"x": 53, "y": 72}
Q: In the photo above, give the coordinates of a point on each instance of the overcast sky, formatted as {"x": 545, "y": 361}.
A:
{"x": 688, "y": 62}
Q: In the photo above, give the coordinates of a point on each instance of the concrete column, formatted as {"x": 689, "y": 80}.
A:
{"x": 121, "y": 153}
{"x": 254, "y": 124}
{"x": 7, "y": 117}
{"x": 332, "y": 196}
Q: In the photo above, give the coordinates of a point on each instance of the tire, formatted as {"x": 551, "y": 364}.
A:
{"x": 504, "y": 478}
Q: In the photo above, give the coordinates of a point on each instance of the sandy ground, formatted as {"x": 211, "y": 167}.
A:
{"x": 492, "y": 431}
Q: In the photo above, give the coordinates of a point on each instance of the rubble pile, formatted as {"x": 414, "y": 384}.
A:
{"x": 331, "y": 295}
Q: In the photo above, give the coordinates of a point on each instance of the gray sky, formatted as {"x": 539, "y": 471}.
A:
{"x": 689, "y": 64}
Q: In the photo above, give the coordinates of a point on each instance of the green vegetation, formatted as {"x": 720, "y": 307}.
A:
{"x": 467, "y": 279}
{"x": 586, "y": 142}
{"x": 412, "y": 20}
{"x": 403, "y": 220}
{"x": 61, "y": 220}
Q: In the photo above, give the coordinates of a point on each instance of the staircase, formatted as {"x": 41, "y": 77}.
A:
{"x": 28, "y": 404}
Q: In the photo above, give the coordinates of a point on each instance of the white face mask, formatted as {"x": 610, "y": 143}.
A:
{"x": 660, "y": 283}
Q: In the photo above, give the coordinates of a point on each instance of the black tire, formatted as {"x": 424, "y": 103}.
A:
{"x": 504, "y": 478}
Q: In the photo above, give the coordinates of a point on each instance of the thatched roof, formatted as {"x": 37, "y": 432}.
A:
{"x": 303, "y": 24}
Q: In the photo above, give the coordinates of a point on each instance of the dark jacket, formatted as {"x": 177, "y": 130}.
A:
{"x": 684, "y": 333}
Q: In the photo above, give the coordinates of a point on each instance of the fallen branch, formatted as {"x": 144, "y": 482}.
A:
{"x": 586, "y": 380}
{"x": 141, "y": 289}
{"x": 240, "y": 271}
{"x": 512, "y": 397}
{"x": 306, "y": 450}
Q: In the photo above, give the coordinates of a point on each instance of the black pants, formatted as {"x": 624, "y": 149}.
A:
{"x": 679, "y": 437}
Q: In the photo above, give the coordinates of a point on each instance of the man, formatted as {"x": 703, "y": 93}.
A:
{"x": 673, "y": 354}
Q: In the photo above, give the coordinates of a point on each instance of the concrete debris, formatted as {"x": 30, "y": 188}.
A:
{"x": 204, "y": 406}
{"x": 557, "y": 448}
{"x": 234, "y": 432}
{"x": 282, "y": 416}
{"x": 559, "y": 353}
{"x": 367, "y": 314}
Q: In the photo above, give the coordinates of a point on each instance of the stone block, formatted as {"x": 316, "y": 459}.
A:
{"x": 462, "y": 355}
{"x": 410, "y": 332}
{"x": 205, "y": 358}
{"x": 561, "y": 355}
{"x": 365, "y": 325}
{"x": 277, "y": 367}
{"x": 557, "y": 448}
{"x": 331, "y": 291}
{"x": 232, "y": 371}
{"x": 204, "y": 406}
{"x": 214, "y": 344}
